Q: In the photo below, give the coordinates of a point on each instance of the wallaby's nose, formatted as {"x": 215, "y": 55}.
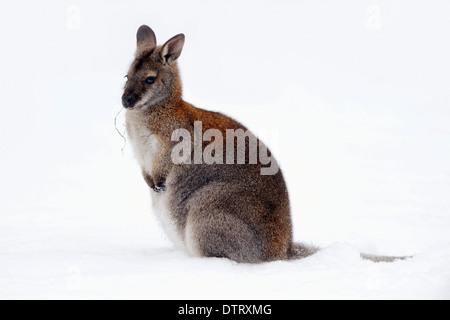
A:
{"x": 127, "y": 101}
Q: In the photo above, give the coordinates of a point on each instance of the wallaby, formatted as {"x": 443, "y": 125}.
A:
{"x": 229, "y": 210}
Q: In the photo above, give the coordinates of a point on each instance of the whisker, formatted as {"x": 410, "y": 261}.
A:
{"x": 120, "y": 133}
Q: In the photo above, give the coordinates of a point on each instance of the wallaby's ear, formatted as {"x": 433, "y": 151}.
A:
{"x": 146, "y": 38}
{"x": 171, "y": 50}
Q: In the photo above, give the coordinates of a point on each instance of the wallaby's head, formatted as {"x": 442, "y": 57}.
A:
{"x": 153, "y": 77}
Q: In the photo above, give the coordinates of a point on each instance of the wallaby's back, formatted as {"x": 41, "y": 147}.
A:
{"x": 230, "y": 210}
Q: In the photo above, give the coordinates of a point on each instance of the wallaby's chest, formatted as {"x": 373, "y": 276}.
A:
{"x": 145, "y": 144}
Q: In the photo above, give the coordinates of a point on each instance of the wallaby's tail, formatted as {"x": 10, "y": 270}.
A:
{"x": 382, "y": 258}
{"x": 300, "y": 251}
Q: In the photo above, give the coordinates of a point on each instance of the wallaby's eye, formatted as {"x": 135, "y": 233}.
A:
{"x": 150, "y": 80}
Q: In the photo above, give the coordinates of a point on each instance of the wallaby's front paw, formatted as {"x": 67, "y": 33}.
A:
{"x": 160, "y": 186}
{"x": 149, "y": 180}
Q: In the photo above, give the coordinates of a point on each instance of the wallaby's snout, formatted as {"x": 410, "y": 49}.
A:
{"x": 128, "y": 100}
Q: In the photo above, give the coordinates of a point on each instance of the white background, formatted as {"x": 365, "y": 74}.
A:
{"x": 352, "y": 96}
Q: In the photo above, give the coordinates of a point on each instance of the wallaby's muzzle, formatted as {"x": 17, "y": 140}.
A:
{"x": 128, "y": 100}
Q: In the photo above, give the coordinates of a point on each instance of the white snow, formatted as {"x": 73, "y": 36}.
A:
{"x": 353, "y": 98}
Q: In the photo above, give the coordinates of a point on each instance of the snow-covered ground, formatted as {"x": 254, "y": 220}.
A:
{"x": 353, "y": 97}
